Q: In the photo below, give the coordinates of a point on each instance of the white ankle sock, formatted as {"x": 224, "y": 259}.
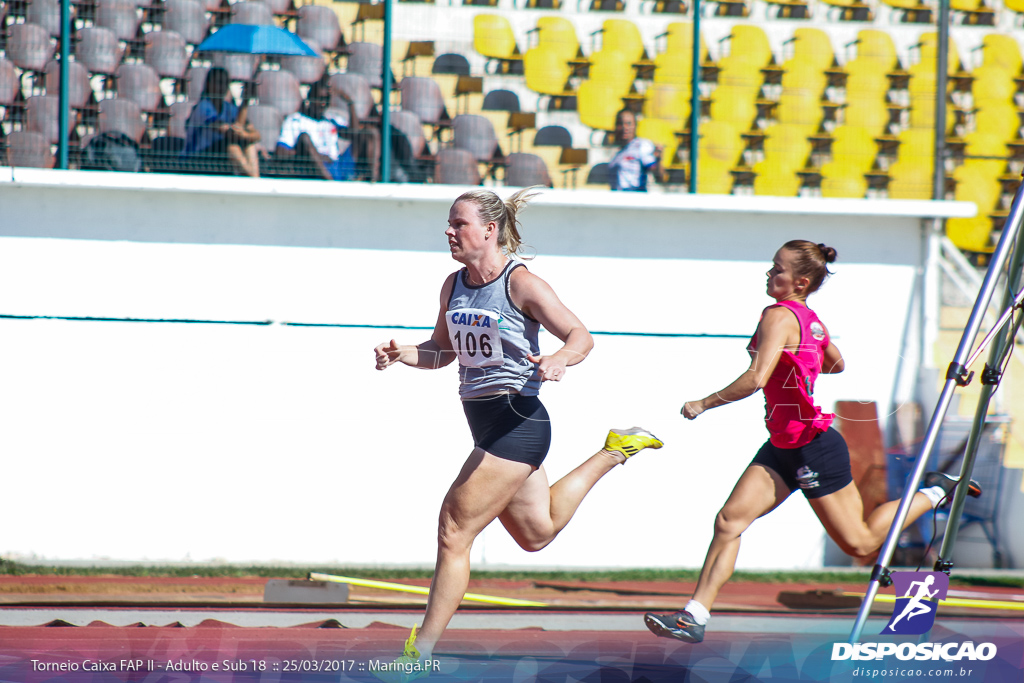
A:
{"x": 934, "y": 494}
{"x": 698, "y": 611}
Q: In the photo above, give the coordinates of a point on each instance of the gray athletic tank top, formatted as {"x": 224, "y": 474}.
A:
{"x": 483, "y": 320}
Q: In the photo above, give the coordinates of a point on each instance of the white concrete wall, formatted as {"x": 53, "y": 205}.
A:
{"x": 173, "y": 441}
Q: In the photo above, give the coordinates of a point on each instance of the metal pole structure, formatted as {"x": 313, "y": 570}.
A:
{"x": 64, "y": 116}
{"x": 385, "y": 99}
{"x": 990, "y": 382}
{"x": 956, "y": 375}
{"x": 941, "y": 85}
{"x": 695, "y": 97}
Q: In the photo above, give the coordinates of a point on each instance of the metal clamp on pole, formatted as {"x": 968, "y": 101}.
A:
{"x": 991, "y": 376}
{"x": 881, "y": 575}
{"x": 944, "y": 566}
{"x": 958, "y": 373}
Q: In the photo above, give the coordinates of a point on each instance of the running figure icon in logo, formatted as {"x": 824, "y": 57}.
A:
{"x": 918, "y": 601}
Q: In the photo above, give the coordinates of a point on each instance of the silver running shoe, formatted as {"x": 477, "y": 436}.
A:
{"x": 679, "y": 625}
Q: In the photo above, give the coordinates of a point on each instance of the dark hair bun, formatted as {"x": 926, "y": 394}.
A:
{"x": 828, "y": 252}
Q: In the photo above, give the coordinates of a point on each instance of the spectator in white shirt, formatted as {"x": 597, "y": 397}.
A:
{"x": 636, "y": 156}
{"x": 308, "y": 135}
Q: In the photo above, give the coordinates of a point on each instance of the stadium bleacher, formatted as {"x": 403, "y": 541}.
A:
{"x": 832, "y": 98}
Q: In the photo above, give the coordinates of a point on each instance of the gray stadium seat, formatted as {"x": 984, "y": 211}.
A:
{"x": 279, "y": 89}
{"x": 456, "y": 167}
{"x": 46, "y": 13}
{"x": 552, "y": 136}
{"x": 267, "y": 120}
{"x": 180, "y": 111}
{"x": 187, "y": 18}
{"x": 475, "y": 134}
{"x": 305, "y": 69}
{"x": 79, "y": 88}
{"x": 366, "y": 59}
{"x": 42, "y": 115}
{"x": 28, "y": 149}
{"x": 319, "y": 24}
{"x": 526, "y": 170}
{"x": 422, "y": 96}
{"x": 357, "y": 89}
{"x": 29, "y": 46}
{"x": 241, "y": 67}
{"x": 251, "y": 13}
{"x": 10, "y": 84}
{"x": 121, "y": 115}
{"x": 141, "y": 84}
{"x": 410, "y": 125}
{"x": 167, "y": 53}
{"x": 123, "y": 20}
{"x": 98, "y": 50}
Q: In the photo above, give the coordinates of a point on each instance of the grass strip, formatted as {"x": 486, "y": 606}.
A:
{"x": 11, "y": 568}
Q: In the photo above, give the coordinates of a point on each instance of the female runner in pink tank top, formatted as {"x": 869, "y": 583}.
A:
{"x": 788, "y": 351}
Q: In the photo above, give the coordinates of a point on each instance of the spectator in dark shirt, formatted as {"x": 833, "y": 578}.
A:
{"x": 217, "y": 130}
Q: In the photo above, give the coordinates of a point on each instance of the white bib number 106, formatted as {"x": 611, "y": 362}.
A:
{"x": 474, "y": 336}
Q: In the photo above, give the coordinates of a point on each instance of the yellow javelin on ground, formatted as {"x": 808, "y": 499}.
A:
{"x": 955, "y": 602}
{"x": 366, "y": 583}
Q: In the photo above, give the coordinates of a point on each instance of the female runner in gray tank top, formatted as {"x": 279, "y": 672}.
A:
{"x": 489, "y": 316}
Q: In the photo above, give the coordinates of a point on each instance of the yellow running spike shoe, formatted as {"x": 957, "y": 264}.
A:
{"x": 629, "y": 442}
{"x": 406, "y": 668}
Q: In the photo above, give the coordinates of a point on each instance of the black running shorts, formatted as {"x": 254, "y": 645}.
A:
{"x": 818, "y": 469}
{"x": 510, "y": 426}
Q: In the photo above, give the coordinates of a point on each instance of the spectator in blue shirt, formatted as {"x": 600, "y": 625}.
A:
{"x": 216, "y": 129}
{"x": 636, "y": 156}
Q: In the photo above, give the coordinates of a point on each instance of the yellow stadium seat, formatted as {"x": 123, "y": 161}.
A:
{"x": 930, "y": 49}
{"x": 916, "y": 143}
{"x": 840, "y": 180}
{"x": 877, "y": 46}
{"x": 786, "y": 145}
{"x": 493, "y": 37}
{"x": 667, "y": 102}
{"x": 978, "y": 181}
{"x": 775, "y": 179}
{"x": 721, "y": 141}
{"x": 992, "y": 83}
{"x": 680, "y": 40}
{"x": 970, "y": 234}
{"x": 802, "y": 77}
{"x": 662, "y": 133}
{"x": 558, "y": 35}
{"x": 854, "y": 146}
{"x": 623, "y": 36}
{"x": 750, "y": 43}
{"x": 713, "y": 176}
{"x": 613, "y": 68}
{"x": 849, "y": 10}
{"x": 800, "y": 108}
{"x": 998, "y": 119}
{"x": 737, "y": 71}
{"x": 1015, "y": 6}
{"x": 1002, "y": 51}
{"x": 546, "y": 71}
{"x": 922, "y": 114}
{"x": 865, "y": 79}
{"x": 911, "y": 179}
{"x": 598, "y": 103}
{"x": 913, "y": 10}
{"x": 673, "y": 67}
{"x": 870, "y": 114}
{"x": 812, "y": 46}
{"x": 735, "y": 105}
{"x": 984, "y": 143}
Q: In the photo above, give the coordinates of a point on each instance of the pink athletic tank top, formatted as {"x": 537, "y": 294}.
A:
{"x": 790, "y": 414}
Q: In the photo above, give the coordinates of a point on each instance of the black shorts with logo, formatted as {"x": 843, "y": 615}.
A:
{"x": 510, "y": 426}
{"x": 819, "y": 468}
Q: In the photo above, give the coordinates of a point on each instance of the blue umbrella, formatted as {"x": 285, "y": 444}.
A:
{"x": 256, "y": 40}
